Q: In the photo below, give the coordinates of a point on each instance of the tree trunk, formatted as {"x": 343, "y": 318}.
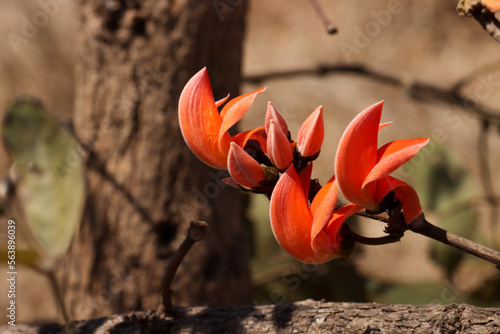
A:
{"x": 144, "y": 185}
{"x": 301, "y": 317}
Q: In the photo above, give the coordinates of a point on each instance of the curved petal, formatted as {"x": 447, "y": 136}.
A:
{"x": 383, "y": 125}
{"x": 311, "y": 134}
{"x": 393, "y": 155}
{"x": 357, "y": 154}
{"x": 291, "y": 219}
{"x": 233, "y": 111}
{"x": 329, "y": 237}
{"x": 405, "y": 193}
{"x": 323, "y": 211}
{"x": 258, "y": 134}
{"x": 243, "y": 168}
{"x": 318, "y": 199}
{"x": 278, "y": 147}
{"x": 220, "y": 102}
{"x": 200, "y": 121}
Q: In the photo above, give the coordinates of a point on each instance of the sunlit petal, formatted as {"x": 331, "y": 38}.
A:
{"x": 278, "y": 147}
{"x": 233, "y": 111}
{"x": 273, "y": 114}
{"x": 357, "y": 154}
{"x": 200, "y": 121}
{"x": 311, "y": 134}
{"x": 243, "y": 168}
{"x": 291, "y": 219}
{"x": 393, "y": 155}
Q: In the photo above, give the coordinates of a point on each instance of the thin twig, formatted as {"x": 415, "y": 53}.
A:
{"x": 330, "y": 27}
{"x": 423, "y": 227}
{"x": 489, "y": 22}
{"x": 486, "y": 19}
{"x": 196, "y": 232}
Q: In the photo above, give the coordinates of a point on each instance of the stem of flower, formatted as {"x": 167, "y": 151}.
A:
{"x": 196, "y": 232}
{"x": 388, "y": 239}
{"x": 423, "y": 227}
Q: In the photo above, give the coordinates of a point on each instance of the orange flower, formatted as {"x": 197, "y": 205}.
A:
{"x": 363, "y": 170}
{"x": 310, "y": 234}
{"x": 203, "y": 128}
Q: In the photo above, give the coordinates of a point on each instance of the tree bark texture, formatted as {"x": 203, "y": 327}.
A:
{"x": 144, "y": 185}
{"x": 301, "y": 317}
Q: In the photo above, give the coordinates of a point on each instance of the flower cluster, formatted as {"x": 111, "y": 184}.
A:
{"x": 304, "y": 217}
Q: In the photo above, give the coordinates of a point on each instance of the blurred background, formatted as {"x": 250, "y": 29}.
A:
{"x": 438, "y": 73}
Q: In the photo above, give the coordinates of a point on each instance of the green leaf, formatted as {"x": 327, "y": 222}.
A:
{"x": 48, "y": 173}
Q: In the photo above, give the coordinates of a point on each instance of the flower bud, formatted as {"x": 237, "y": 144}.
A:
{"x": 278, "y": 147}
{"x": 243, "y": 168}
{"x": 311, "y": 134}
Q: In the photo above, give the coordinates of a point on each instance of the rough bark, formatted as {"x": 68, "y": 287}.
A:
{"x": 301, "y": 317}
{"x": 144, "y": 185}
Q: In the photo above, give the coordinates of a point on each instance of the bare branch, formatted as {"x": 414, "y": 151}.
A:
{"x": 330, "y": 27}
{"x": 196, "y": 232}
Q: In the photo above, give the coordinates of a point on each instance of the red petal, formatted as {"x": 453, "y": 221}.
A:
{"x": 273, "y": 113}
{"x": 305, "y": 178}
{"x": 311, "y": 134}
{"x": 404, "y": 193}
{"x": 393, "y": 155}
{"x": 233, "y": 111}
{"x": 328, "y": 237}
{"x": 324, "y": 205}
{"x": 321, "y": 195}
{"x": 291, "y": 219}
{"x": 383, "y": 125}
{"x": 221, "y": 101}
{"x": 243, "y": 168}
{"x": 200, "y": 121}
{"x": 357, "y": 154}
{"x": 258, "y": 134}
{"x": 278, "y": 147}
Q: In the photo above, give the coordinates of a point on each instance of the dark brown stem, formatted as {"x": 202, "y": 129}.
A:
{"x": 388, "y": 239}
{"x": 196, "y": 232}
{"x": 423, "y": 227}
{"x": 330, "y": 27}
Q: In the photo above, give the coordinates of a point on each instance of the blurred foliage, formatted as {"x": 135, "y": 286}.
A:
{"x": 48, "y": 179}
